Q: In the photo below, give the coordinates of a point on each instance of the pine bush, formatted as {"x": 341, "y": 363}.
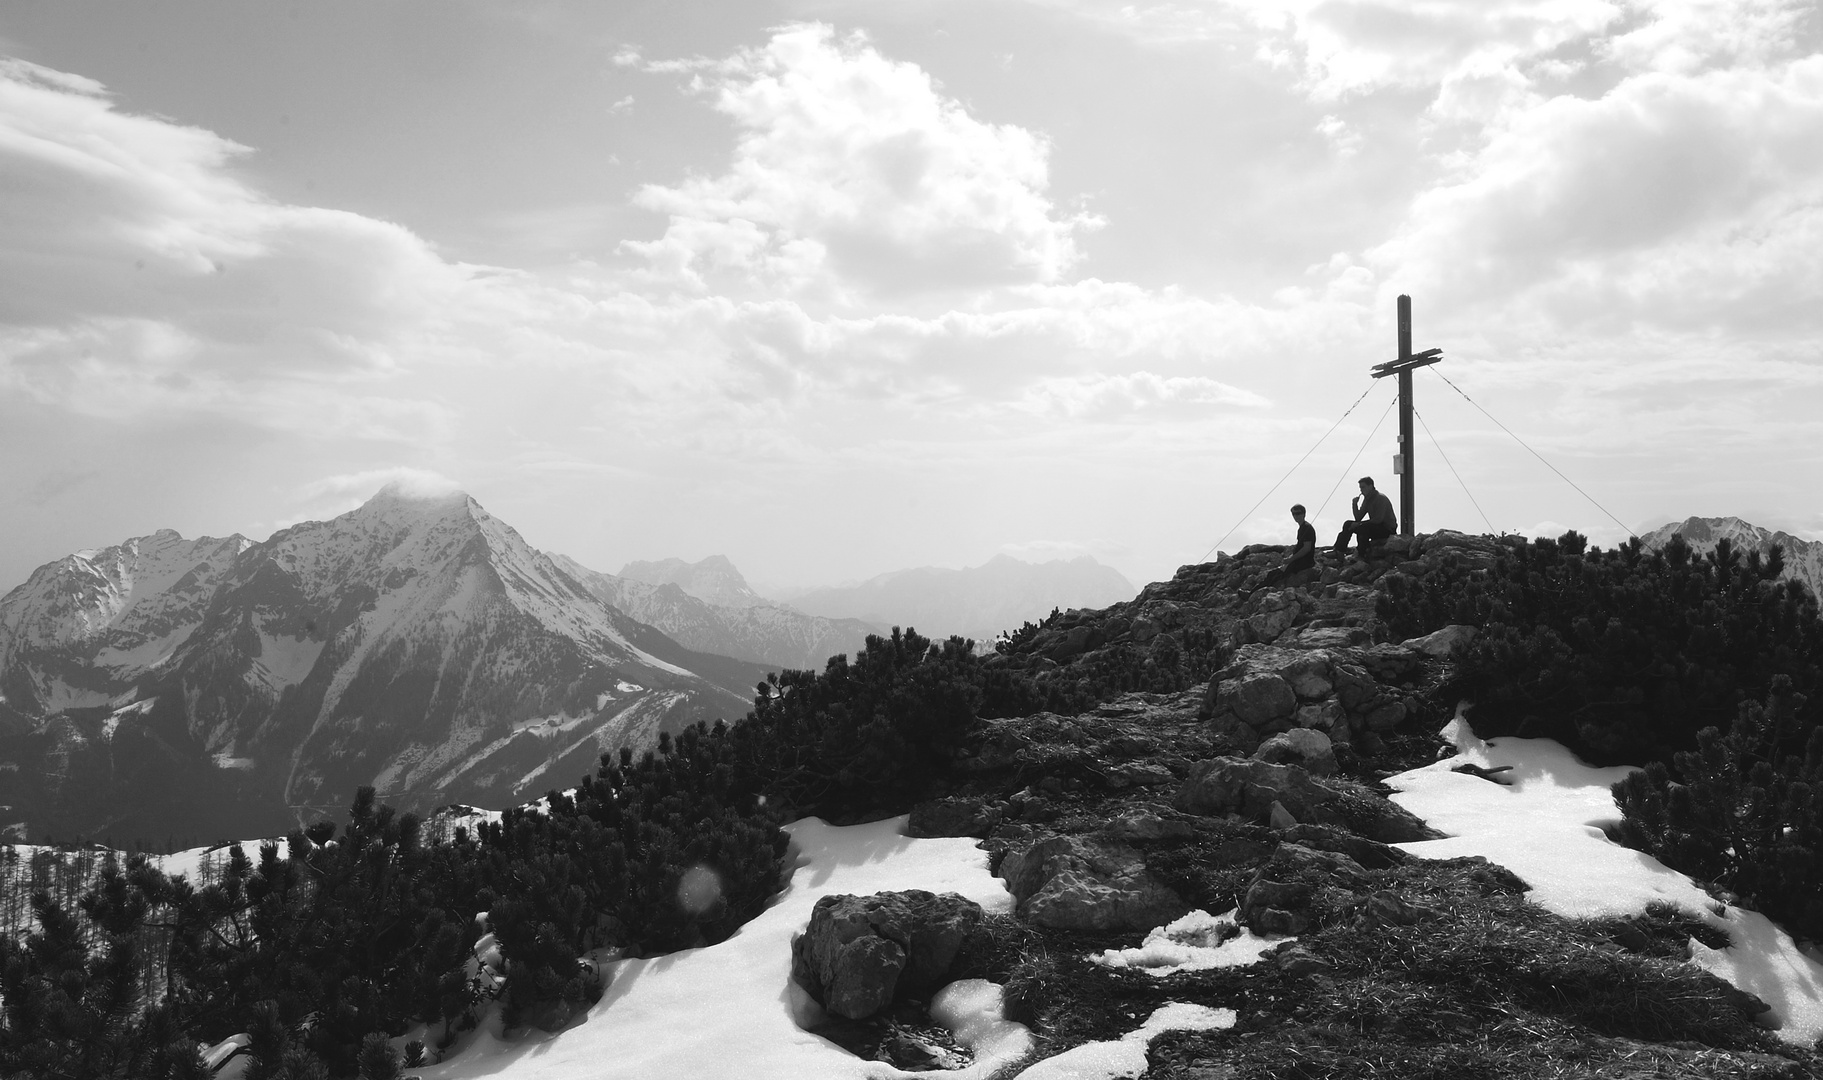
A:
{"x": 1741, "y": 810}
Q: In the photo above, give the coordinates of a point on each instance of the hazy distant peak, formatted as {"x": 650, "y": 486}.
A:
{"x": 713, "y": 579}
{"x": 1803, "y": 558}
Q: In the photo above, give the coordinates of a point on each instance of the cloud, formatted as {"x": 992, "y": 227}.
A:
{"x": 1672, "y": 199}
{"x": 1130, "y": 396}
{"x": 854, "y": 173}
{"x": 144, "y": 274}
{"x": 332, "y": 496}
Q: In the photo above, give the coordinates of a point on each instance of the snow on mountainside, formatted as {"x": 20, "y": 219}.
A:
{"x": 81, "y": 629}
{"x": 979, "y": 602}
{"x": 767, "y": 633}
{"x": 415, "y": 644}
{"x": 1803, "y": 558}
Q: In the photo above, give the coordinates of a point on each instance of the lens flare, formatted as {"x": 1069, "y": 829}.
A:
{"x": 699, "y": 890}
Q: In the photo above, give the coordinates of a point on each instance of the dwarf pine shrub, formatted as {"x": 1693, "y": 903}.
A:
{"x": 1741, "y": 810}
{"x": 1621, "y": 655}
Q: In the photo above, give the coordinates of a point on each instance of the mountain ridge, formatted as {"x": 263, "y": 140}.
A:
{"x": 1803, "y": 558}
{"x": 415, "y": 644}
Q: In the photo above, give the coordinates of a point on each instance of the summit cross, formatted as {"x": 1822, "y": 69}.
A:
{"x": 1403, "y": 367}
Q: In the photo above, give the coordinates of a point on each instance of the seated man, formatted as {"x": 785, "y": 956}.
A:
{"x": 1379, "y": 523}
{"x": 1303, "y": 556}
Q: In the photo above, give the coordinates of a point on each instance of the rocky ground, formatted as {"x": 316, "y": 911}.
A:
{"x": 1259, "y": 793}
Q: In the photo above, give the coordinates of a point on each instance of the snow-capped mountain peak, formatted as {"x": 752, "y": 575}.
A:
{"x": 416, "y": 643}
{"x": 1803, "y": 558}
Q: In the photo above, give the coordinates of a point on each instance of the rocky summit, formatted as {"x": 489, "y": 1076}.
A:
{"x": 1260, "y": 794}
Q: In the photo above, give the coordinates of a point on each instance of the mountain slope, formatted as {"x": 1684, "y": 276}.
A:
{"x": 80, "y": 630}
{"x": 417, "y": 645}
{"x": 1803, "y": 558}
{"x": 768, "y": 633}
{"x": 979, "y": 602}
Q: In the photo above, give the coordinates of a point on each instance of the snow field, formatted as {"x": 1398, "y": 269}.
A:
{"x": 1547, "y": 827}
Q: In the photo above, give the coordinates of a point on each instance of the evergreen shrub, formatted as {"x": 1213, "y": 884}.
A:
{"x": 1622, "y": 655}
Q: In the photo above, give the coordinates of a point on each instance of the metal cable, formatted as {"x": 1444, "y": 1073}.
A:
{"x": 1350, "y": 467}
{"x": 1534, "y": 453}
{"x": 1294, "y": 468}
{"x": 1452, "y": 465}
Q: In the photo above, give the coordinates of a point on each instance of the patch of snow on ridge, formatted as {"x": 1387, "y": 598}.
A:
{"x": 1547, "y": 827}
{"x": 1126, "y": 1056}
{"x": 1197, "y": 942}
{"x": 732, "y": 1009}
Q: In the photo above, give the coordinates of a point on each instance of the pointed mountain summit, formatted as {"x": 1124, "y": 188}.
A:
{"x": 1803, "y": 558}
{"x": 714, "y": 580}
{"x": 416, "y": 644}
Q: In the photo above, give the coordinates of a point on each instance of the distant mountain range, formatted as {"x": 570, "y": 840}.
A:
{"x": 709, "y": 607}
{"x": 169, "y": 688}
{"x": 979, "y": 602}
{"x": 1803, "y": 558}
{"x": 215, "y": 687}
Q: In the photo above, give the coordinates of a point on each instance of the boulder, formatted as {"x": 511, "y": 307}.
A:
{"x": 1445, "y": 643}
{"x": 859, "y": 953}
{"x": 1299, "y": 886}
{"x": 1354, "y": 686}
{"x": 1270, "y": 623}
{"x": 1309, "y": 676}
{"x": 1324, "y": 716}
{"x": 1077, "y": 883}
{"x": 1384, "y": 717}
{"x": 1236, "y": 785}
{"x": 1307, "y": 748}
{"x": 1257, "y": 700}
{"x": 1326, "y": 637}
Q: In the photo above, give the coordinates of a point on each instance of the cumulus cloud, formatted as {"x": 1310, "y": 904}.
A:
{"x": 854, "y": 173}
{"x": 1679, "y": 199}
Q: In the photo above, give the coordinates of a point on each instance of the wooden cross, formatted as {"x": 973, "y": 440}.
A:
{"x": 1403, "y": 367}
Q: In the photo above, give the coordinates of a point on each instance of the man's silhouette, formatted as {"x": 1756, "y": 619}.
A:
{"x": 1374, "y": 519}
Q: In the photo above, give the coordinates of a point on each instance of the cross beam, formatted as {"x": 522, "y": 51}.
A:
{"x": 1403, "y": 367}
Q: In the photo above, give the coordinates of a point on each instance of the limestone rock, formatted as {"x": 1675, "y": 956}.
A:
{"x": 1309, "y": 676}
{"x": 1249, "y": 788}
{"x": 1257, "y": 700}
{"x": 1307, "y": 748}
{"x": 1324, "y": 716}
{"x": 860, "y": 952}
{"x": 1444, "y": 643}
{"x": 1075, "y": 883}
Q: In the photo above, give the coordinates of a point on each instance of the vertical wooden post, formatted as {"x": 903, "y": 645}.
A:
{"x": 1408, "y": 484}
{"x": 1403, "y": 464}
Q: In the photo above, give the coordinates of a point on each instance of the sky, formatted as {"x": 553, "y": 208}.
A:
{"x": 838, "y": 287}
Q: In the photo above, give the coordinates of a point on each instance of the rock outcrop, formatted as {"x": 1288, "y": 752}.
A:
{"x": 861, "y": 953}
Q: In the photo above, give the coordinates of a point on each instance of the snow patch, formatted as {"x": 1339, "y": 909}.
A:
{"x": 1546, "y": 826}
{"x": 626, "y": 687}
{"x": 285, "y": 660}
{"x": 736, "y": 1000}
{"x": 1197, "y": 942}
{"x": 1126, "y": 1056}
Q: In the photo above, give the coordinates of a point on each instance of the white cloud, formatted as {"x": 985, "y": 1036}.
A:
{"x": 1681, "y": 200}
{"x": 1129, "y": 396}
{"x": 853, "y": 172}
{"x": 144, "y": 275}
